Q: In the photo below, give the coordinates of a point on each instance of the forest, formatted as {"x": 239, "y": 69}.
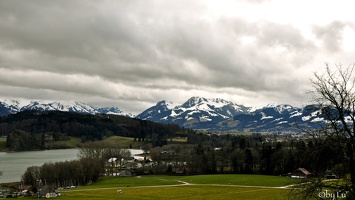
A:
{"x": 31, "y": 130}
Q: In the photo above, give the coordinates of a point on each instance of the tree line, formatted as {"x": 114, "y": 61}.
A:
{"x": 202, "y": 154}
{"x": 88, "y": 168}
{"x": 212, "y": 154}
{"x": 30, "y": 130}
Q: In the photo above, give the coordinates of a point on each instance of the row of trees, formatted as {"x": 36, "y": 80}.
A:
{"x": 87, "y": 169}
{"x": 61, "y": 174}
{"x": 22, "y": 141}
{"x": 239, "y": 154}
{"x": 246, "y": 154}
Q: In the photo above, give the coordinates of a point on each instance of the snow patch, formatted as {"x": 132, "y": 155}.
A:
{"x": 317, "y": 119}
{"x": 296, "y": 114}
{"x": 282, "y": 122}
{"x": 306, "y": 118}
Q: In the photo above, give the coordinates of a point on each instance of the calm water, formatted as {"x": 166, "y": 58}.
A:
{"x": 13, "y": 165}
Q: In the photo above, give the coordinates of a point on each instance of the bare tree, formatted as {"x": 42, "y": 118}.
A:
{"x": 334, "y": 92}
{"x": 93, "y": 150}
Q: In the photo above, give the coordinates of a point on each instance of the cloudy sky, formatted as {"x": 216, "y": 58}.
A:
{"x": 133, "y": 53}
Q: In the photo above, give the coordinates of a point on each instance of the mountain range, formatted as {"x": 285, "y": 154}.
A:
{"x": 212, "y": 114}
{"x": 221, "y": 115}
{"x": 13, "y": 106}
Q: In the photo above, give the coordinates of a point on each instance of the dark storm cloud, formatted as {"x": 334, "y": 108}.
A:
{"x": 150, "y": 50}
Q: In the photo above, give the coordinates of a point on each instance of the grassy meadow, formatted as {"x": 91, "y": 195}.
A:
{"x": 73, "y": 142}
{"x": 184, "y": 187}
{"x": 123, "y": 142}
{"x": 67, "y": 144}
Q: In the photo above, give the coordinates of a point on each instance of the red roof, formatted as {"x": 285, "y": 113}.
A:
{"x": 303, "y": 170}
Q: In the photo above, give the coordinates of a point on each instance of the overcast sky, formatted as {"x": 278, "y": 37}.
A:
{"x": 134, "y": 53}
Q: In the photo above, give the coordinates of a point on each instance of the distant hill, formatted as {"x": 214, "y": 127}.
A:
{"x": 33, "y": 126}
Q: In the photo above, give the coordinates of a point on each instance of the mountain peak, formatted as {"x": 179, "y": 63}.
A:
{"x": 193, "y": 101}
{"x": 14, "y": 106}
{"x": 279, "y": 107}
{"x": 194, "y": 110}
{"x": 166, "y": 105}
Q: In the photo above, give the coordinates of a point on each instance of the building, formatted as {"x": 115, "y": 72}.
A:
{"x": 300, "y": 173}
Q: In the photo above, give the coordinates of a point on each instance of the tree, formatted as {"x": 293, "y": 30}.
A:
{"x": 248, "y": 162}
{"x": 31, "y": 176}
{"x": 93, "y": 150}
{"x": 334, "y": 92}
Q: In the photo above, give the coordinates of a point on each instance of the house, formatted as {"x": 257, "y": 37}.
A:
{"x": 300, "y": 173}
{"x": 125, "y": 173}
{"x": 125, "y": 166}
{"x": 25, "y": 189}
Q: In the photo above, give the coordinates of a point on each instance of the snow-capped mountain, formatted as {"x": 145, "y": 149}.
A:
{"x": 13, "y": 106}
{"x": 212, "y": 114}
{"x": 197, "y": 112}
{"x": 113, "y": 111}
{"x": 222, "y": 115}
{"x": 157, "y": 112}
{"x": 68, "y": 106}
{"x": 277, "y": 118}
{"x": 8, "y": 106}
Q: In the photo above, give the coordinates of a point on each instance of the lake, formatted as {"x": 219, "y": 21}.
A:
{"x": 14, "y": 164}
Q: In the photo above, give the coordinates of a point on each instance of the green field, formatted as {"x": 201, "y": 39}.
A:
{"x": 73, "y": 142}
{"x": 123, "y": 142}
{"x": 185, "y": 187}
{"x": 67, "y": 144}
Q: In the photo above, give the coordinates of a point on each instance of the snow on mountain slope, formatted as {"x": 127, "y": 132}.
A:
{"x": 194, "y": 111}
{"x": 67, "y": 106}
{"x": 212, "y": 114}
{"x": 8, "y": 106}
{"x": 158, "y": 112}
{"x": 280, "y": 118}
{"x": 220, "y": 115}
{"x": 113, "y": 111}
{"x": 11, "y": 106}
